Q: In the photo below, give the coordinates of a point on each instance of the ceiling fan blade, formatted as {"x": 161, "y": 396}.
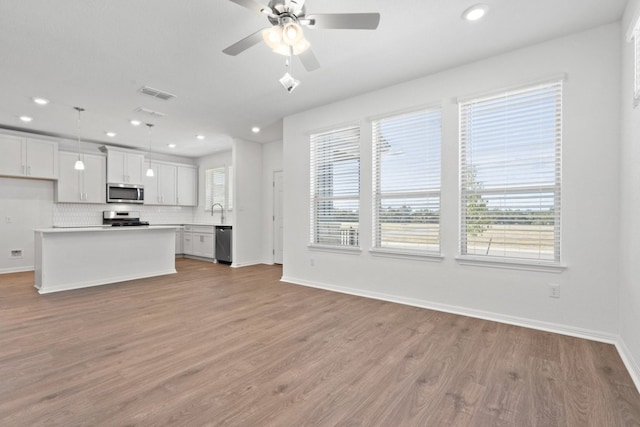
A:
{"x": 254, "y": 5}
{"x": 309, "y": 60}
{"x": 244, "y": 44}
{"x": 345, "y": 21}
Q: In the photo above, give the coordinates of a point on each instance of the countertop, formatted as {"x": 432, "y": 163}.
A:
{"x": 106, "y": 228}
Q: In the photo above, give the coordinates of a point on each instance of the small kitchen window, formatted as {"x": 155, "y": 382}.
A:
{"x": 635, "y": 36}
{"x": 219, "y": 187}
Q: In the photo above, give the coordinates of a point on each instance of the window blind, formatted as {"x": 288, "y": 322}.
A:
{"x": 510, "y": 174}
{"x": 406, "y": 180}
{"x": 216, "y": 187}
{"x": 636, "y": 62}
{"x": 335, "y": 187}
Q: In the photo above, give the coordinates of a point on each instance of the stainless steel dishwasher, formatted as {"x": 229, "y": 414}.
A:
{"x": 223, "y": 244}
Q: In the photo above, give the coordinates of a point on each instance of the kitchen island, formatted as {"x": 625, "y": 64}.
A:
{"x": 73, "y": 258}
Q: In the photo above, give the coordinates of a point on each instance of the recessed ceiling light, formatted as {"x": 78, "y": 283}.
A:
{"x": 41, "y": 101}
{"x": 475, "y": 12}
{"x": 111, "y": 134}
{"x": 26, "y": 119}
{"x": 200, "y": 137}
{"x": 135, "y": 122}
{"x": 255, "y": 129}
{"x": 171, "y": 145}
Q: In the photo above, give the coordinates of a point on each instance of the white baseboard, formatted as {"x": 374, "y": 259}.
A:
{"x": 16, "y": 269}
{"x": 245, "y": 264}
{"x": 101, "y": 282}
{"x": 630, "y": 363}
{"x": 464, "y": 311}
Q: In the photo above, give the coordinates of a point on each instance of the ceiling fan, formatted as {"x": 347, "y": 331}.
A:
{"x": 287, "y": 18}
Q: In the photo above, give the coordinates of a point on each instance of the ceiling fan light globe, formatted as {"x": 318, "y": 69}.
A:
{"x": 292, "y": 33}
{"x": 281, "y": 49}
{"x": 272, "y": 37}
{"x": 301, "y": 46}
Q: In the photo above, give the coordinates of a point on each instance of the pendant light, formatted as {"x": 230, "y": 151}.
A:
{"x": 150, "y": 170}
{"x": 79, "y": 164}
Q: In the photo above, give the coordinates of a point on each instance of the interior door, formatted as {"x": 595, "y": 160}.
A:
{"x": 278, "y": 223}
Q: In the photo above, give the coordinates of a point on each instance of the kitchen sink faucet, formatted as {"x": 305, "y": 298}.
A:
{"x": 221, "y": 211}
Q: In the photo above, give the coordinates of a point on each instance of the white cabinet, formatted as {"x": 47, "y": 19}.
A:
{"x": 123, "y": 166}
{"x": 84, "y": 186}
{"x": 187, "y": 242}
{"x": 28, "y": 157}
{"x": 187, "y": 186}
{"x": 199, "y": 241}
{"x": 160, "y": 189}
{"x": 171, "y": 184}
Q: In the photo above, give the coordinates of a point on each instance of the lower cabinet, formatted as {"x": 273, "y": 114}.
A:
{"x": 198, "y": 240}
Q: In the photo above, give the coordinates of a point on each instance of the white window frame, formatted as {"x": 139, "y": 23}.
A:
{"x": 635, "y": 35}
{"x": 323, "y": 235}
{"x": 515, "y": 189}
{"x": 219, "y": 193}
{"x": 407, "y": 127}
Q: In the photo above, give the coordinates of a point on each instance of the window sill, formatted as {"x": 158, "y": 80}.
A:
{"x": 511, "y": 264}
{"x": 391, "y": 253}
{"x": 351, "y": 250}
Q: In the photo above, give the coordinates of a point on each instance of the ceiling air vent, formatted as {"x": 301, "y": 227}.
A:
{"x": 165, "y": 96}
{"x": 149, "y": 112}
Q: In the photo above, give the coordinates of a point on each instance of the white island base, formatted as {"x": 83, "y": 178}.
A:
{"x": 73, "y": 258}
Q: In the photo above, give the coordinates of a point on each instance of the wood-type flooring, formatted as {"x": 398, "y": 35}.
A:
{"x": 216, "y": 346}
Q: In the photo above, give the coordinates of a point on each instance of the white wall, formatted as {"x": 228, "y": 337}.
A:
{"x": 247, "y": 226}
{"x": 25, "y": 204}
{"x": 271, "y": 162}
{"x": 588, "y": 304}
{"x": 630, "y": 207}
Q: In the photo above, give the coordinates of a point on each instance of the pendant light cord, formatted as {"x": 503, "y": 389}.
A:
{"x": 79, "y": 110}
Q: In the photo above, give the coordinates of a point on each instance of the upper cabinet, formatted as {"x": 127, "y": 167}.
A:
{"x": 124, "y": 166}
{"x": 187, "y": 184}
{"x": 160, "y": 189}
{"x": 171, "y": 184}
{"x": 81, "y": 186}
{"x": 28, "y": 157}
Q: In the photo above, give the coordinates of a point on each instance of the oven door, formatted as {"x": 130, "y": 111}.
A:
{"x": 125, "y": 193}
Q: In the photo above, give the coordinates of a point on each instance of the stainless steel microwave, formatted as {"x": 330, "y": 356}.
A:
{"x": 125, "y": 193}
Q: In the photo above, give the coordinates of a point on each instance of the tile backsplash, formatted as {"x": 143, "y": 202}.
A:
{"x": 72, "y": 214}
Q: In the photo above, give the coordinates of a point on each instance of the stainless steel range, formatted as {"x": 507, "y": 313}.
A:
{"x": 122, "y": 219}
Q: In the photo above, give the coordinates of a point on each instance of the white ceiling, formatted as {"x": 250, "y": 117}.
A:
{"x": 96, "y": 54}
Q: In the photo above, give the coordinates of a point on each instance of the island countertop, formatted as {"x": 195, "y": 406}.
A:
{"x": 104, "y": 228}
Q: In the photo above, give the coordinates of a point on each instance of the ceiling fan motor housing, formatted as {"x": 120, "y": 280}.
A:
{"x": 283, "y": 13}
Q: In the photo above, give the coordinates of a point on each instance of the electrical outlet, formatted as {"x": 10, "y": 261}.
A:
{"x": 554, "y": 290}
{"x": 16, "y": 253}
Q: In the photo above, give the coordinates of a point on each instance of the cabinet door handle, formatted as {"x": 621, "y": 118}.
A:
{"x": 29, "y": 170}
{"x": 24, "y": 170}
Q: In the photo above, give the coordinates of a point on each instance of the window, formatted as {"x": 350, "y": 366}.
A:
{"x": 219, "y": 189}
{"x": 510, "y": 174}
{"x": 335, "y": 187}
{"x": 636, "y": 62}
{"x": 406, "y": 180}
